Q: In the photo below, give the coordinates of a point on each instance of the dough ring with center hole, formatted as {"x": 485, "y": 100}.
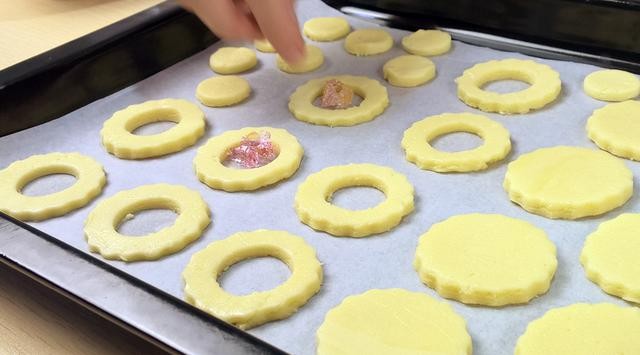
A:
{"x": 415, "y": 142}
{"x": 90, "y": 179}
{"x": 545, "y": 86}
{"x": 119, "y": 141}
{"x": 209, "y": 167}
{"x": 203, "y": 290}
{"x": 375, "y": 101}
{"x": 616, "y": 129}
{"x": 100, "y": 226}
{"x": 314, "y": 209}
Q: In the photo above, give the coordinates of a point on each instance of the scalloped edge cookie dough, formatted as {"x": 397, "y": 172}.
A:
{"x": 610, "y": 257}
{"x": 118, "y": 139}
{"x": 545, "y": 86}
{"x": 393, "y": 321}
{"x": 264, "y": 46}
{"x": 326, "y": 29}
{"x": 418, "y": 150}
{"x": 568, "y": 182}
{"x": 408, "y": 71}
{"x": 427, "y": 42}
{"x": 375, "y": 101}
{"x": 616, "y": 129}
{"x": 314, "y": 208}
{"x": 471, "y": 258}
{"x": 204, "y": 292}
{"x": 90, "y": 179}
{"x": 313, "y": 60}
{"x": 100, "y": 227}
{"x": 233, "y": 60}
{"x": 220, "y": 91}
{"x": 369, "y": 41}
{"x": 611, "y": 85}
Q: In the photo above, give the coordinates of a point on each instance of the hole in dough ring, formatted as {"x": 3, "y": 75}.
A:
{"x": 314, "y": 209}
{"x": 415, "y": 142}
{"x": 100, "y": 226}
{"x": 375, "y": 101}
{"x": 90, "y": 179}
{"x": 119, "y": 141}
{"x": 209, "y": 167}
{"x": 545, "y": 86}
{"x": 203, "y": 290}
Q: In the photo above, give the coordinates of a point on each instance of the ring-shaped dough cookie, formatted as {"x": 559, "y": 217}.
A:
{"x": 209, "y": 160}
{"x": 313, "y": 60}
{"x": 370, "y": 41}
{"x": 203, "y": 290}
{"x": 233, "y": 60}
{"x": 375, "y": 101}
{"x": 408, "y": 71}
{"x": 100, "y": 226}
{"x": 415, "y": 142}
{"x": 119, "y": 141}
{"x": 313, "y": 206}
{"x": 220, "y": 91}
{"x": 611, "y": 85}
{"x": 616, "y": 129}
{"x": 90, "y": 178}
{"x": 545, "y": 86}
{"x": 326, "y": 29}
{"x": 263, "y": 45}
{"x": 427, "y": 42}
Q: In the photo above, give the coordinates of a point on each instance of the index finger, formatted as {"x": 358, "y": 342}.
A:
{"x": 278, "y": 22}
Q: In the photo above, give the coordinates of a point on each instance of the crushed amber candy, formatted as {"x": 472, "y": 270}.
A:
{"x": 336, "y": 95}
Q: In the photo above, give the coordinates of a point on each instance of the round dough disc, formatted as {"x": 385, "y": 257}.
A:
{"x": 325, "y": 29}
{"x": 223, "y": 91}
{"x": 568, "y": 182}
{"x": 610, "y": 257}
{"x": 233, "y": 60}
{"x": 408, "y": 70}
{"x": 616, "y": 129}
{"x": 368, "y": 42}
{"x": 263, "y": 45}
{"x": 611, "y": 85}
{"x": 486, "y": 259}
{"x": 427, "y": 42}
{"x": 392, "y": 321}
{"x": 313, "y": 60}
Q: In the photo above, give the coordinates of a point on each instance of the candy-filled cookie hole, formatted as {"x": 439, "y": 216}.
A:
{"x": 48, "y": 184}
{"x": 456, "y": 142}
{"x": 357, "y": 197}
{"x": 335, "y": 95}
{"x": 505, "y": 86}
{"x": 356, "y": 101}
{"x": 255, "y": 150}
{"x": 254, "y": 275}
{"x": 153, "y": 122}
{"x": 146, "y": 221}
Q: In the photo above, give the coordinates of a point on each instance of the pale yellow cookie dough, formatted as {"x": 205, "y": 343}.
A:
{"x": 545, "y": 86}
{"x": 325, "y": 29}
{"x": 415, "y": 142}
{"x": 209, "y": 167}
{"x": 314, "y": 208}
{"x": 118, "y": 139}
{"x": 611, "y": 85}
{"x": 313, "y": 60}
{"x": 233, "y": 60}
{"x": 568, "y": 182}
{"x": 101, "y": 224}
{"x": 486, "y": 259}
{"x": 263, "y": 45}
{"x": 580, "y": 329}
{"x": 369, "y": 41}
{"x": 427, "y": 42}
{"x": 393, "y": 321}
{"x": 220, "y": 91}
{"x": 90, "y": 179}
{"x": 408, "y": 71}
{"x": 616, "y": 129}
{"x": 611, "y": 257}
{"x": 203, "y": 290}
{"x": 375, "y": 101}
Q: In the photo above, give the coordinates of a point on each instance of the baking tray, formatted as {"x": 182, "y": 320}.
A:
{"x": 351, "y": 265}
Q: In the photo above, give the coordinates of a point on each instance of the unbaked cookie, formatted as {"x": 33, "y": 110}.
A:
{"x": 393, "y": 321}
{"x": 324, "y": 29}
{"x": 427, "y": 42}
{"x": 616, "y": 129}
{"x": 369, "y": 41}
{"x": 611, "y": 85}
{"x": 263, "y": 45}
{"x": 221, "y": 91}
{"x": 568, "y": 182}
{"x": 313, "y": 60}
{"x": 408, "y": 71}
{"x": 233, "y": 60}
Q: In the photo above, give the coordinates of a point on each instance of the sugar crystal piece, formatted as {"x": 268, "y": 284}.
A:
{"x": 336, "y": 95}
{"x": 255, "y": 150}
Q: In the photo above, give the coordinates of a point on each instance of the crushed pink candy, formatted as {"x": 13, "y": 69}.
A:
{"x": 336, "y": 95}
{"x": 256, "y": 150}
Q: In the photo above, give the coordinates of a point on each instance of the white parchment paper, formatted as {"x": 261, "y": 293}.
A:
{"x": 351, "y": 266}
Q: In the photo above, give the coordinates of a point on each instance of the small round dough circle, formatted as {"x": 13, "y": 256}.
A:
{"x": 610, "y": 257}
{"x": 375, "y": 101}
{"x": 313, "y": 206}
{"x": 545, "y": 86}
{"x": 427, "y": 42}
{"x": 313, "y": 60}
{"x": 233, "y": 60}
{"x": 263, "y": 45}
{"x": 90, "y": 179}
{"x": 118, "y": 139}
{"x": 203, "y": 290}
{"x": 210, "y": 169}
{"x": 616, "y": 129}
{"x": 582, "y": 328}
{"x": 103, "y": 238}
{"x": 611, "y": 85}
{"x": 325, "y": 29}
{"x": 486, "y": 259}
{"x": 415, "y": 142}
{"x": 408, "y": 71}
{"x": 220, "y": 91}
{"x": 568, "y": 182}
{"x": 369, "y": 41}
{"x": 393, "y": 321}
